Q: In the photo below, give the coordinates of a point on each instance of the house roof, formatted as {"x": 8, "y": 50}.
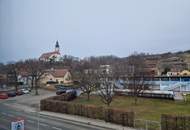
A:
{"x": 47, "y": 55}
{"x": 57, "y": 72}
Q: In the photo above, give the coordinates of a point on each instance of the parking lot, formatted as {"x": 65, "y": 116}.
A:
{"x": 29, "y": 100}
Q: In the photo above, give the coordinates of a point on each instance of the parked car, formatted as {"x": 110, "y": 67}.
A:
{"x": 58, "y": 87}
{"x": 61, "y": 91}
{"x": 72, "y": 91}
{"x": 3, "y": 96}
{"x": 19, "y": 92}
{"x": 29, "y": 89}
{"x": 25, "y": 91}
{"x": 11, "y": 94}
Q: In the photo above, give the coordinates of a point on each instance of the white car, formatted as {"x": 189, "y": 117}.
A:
{"x": 25, "y": 91}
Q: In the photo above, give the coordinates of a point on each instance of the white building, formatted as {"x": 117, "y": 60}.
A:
{"x": 52, "y": 56}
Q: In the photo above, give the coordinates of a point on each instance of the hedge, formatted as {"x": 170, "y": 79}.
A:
{"x": 175, "y": 122}
{"x": 117, "y": 116}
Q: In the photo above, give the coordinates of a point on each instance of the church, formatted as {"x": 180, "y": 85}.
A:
{"x": 52, "y": 56}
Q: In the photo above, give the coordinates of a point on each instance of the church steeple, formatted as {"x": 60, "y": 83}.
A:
{"x": 57, "y": 46}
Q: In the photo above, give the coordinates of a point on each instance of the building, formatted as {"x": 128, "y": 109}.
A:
{"x": 173, "y": 73}
{"x": 24, "y": 78}
{"x": 58, "y": 76}
{"x": 182, "y": 73}
{"x": 173, "y": 64}
{"x": 185, "y": 73}
{"x": 105, "y": 69}
{"x": 151, "y": 63}
{"x": 3, "y": 79}
{"x": 52, "y": 56}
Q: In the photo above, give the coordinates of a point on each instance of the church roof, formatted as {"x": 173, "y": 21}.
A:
{"x": 57, "y": 44}
{"x": 48, "y": 54}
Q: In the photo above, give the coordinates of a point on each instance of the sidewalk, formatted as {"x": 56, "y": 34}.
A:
{"x": 84, "y": 120}
{"x": 29, "y": 103}
{"x": 70, "y": 118}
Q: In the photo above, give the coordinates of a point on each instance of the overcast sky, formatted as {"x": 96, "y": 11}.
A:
{"x": 92, "y": 27}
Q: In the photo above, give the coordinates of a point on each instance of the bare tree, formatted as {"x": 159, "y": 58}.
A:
{"x": 36, "y": 71}
{"x": 119, "y": 70}
{"x": 106, "y": 88}
{"x": 86, "y": 77}
{"x": 136, "y": 76}
{"x": 88, "y": 83}
{"x": 12, "y": 75}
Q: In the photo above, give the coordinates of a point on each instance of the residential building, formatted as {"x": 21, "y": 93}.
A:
{"x": 3, "y": 79}
{"x": 174, "y": 64}
{"x": 173, "y": 73}
{"x": 24, "y": 78}
{"x": 185, "y": 73}
{"x": 59, "y": 76}
{"x": 151, "y": 63}
{"x": 105, "y": 69}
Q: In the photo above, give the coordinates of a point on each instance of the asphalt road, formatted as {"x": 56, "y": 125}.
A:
{"x": 33, "y": 121}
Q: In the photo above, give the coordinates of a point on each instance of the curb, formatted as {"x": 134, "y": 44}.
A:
{"x": 75, "y": 121}
{"x": 104, "y": 125}
{"x": 85, "y": 122}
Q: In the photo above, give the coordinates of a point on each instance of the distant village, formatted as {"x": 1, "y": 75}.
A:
{"x": 53, "y": 68}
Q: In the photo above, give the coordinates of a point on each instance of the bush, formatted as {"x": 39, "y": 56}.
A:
{"x": 119, "y": 116}
{"x": 65, "y": 96}
{"x": 60, "y": 104}
{"x": 173, "y": 122}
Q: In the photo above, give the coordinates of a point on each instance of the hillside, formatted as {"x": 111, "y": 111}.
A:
{"x": 174, "y": 62}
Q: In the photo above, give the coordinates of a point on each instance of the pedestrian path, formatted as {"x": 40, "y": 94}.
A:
{"x": 84, "y": 120}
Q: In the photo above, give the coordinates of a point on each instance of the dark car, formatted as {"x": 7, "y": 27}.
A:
{"x": 3, "y": 96}
{"x": 11, "y": 94}
{"x": 61, "y": 91}
{"x": 58, "y": 87}
{"x": 19, "y": 92}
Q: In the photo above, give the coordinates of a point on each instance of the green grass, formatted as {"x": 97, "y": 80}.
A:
{"x": 188, "y": 97}
{"x": 149, "y": 109}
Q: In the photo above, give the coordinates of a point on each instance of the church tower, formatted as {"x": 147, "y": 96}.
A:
{"x": 57, "y": 46}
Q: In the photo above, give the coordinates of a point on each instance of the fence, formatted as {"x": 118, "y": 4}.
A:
{"x": 140, "y": 124}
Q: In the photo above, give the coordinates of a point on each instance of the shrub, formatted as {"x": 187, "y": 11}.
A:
{"x": 60, "y": 104}
{"x": 173, "y": 122}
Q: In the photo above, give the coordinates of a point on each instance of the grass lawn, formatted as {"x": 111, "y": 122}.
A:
{"x": 149, "y": 109}
{"x": 188, "y": 97}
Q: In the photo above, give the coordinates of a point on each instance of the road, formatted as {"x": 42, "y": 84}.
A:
{"x": 33, "y": 121}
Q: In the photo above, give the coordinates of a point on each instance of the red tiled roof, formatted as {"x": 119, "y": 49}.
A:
{"x": 47, "y": 55}
{"x": 58, "y": 72}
